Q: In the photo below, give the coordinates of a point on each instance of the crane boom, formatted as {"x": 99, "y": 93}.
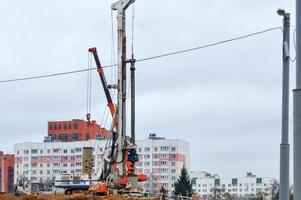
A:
{"x": 102, "y": 77}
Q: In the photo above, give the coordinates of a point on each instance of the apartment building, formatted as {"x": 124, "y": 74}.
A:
{"x": 250, "y": 185}
{"x": 44, "y": 161}
{"x": 75, "y": 130}
{"x": 6, "y": 172}
{"x": 162, "y": 160}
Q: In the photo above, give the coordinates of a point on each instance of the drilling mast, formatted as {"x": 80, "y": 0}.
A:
{"x": 121, "y": 7}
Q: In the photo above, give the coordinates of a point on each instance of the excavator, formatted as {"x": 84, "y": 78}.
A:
{"x": 118, "y": 173}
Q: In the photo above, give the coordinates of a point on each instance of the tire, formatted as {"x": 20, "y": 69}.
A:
{"x": 68, "y": 192}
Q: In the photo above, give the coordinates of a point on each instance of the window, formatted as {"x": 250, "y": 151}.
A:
{"x": 48, "y": 151}
{"x": 75, "y": 126}
{"x": 34, "y": 151}
{"x": 41, "y": 165}
{"x": 173, "y": 163}
{"x": 41, "y": 151}
{"x": 56, "y": 150}
{"x": 259, "y": 180}
{"x": 173, "y": 156}
{"x": 34, "y": 157}
{"x": 164, "y": 148}
{"x": 87, "y": 136}
{"x": 17, "y": 152}
{"x": 56, "y": 157}
{"x": 65, "y": 126}
{"x": 26, "y": 152}
{"x": 56, "y": 164}
{"x": 173, "y": 171}
{"x": 216, "y": 181}
{"x": 74, "y": 136}
{"x": 65, "y": 151}
{"x": 146, "y": 163}
{"x": 50, "y": 127}
{"x": 78, "y": 157}
{"x": 63, "y": 136}
{"x": 173, "y": 149}
{"x": 65, "y": 165}
{"x": 55, "y": 127}
{"x": 48, "y": 165}
{"x": 146, "y": 156}
{"x": 146, "y": 149}
{"x": 234, "y": 181}
{"x": 69, "y": 126}
{"x": 60, "y": 127}
{"x": 25, "y": 158}
{"x": 155, "y": 149}
{"x": 41, "y": 172}
{"x": 48, "y": 172}
{"x": 78, "y": 150}
{"x": 34, "y": 165}
{"x": 65, "y": 157}
{"x": 163, "y": 163}
{"x": 164, "y": 170}
{"x": 140, "y": 150}
{"x": 78, "y": 164}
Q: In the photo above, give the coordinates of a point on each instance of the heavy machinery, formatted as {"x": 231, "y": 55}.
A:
{"x": 116, "y": 178}
{"x": 118, "y": 174}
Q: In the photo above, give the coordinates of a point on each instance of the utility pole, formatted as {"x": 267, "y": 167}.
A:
{"x": 284, "y": 146}
{"x": 297, "y": 108}
{"x": 121, "y": 7}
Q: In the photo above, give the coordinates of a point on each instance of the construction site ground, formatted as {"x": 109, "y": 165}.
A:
{"x": 66, "y": 197}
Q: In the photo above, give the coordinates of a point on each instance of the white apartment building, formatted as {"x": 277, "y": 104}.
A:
{"x": 43, "y": 161}
{"x": 205, "y": 184}
{"x": 161, "y": 159}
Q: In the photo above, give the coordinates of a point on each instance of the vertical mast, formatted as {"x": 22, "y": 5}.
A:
{"x": 297, "y": 108}
{"x": 121, "y": 7}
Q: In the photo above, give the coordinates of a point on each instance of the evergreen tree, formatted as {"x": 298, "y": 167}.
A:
{"x": 183, "y": 185}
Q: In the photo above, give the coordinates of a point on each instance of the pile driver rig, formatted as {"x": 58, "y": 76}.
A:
{"x": 119, "y": 159}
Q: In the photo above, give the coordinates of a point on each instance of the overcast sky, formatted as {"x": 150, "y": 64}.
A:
{"x": 224, "y": 100}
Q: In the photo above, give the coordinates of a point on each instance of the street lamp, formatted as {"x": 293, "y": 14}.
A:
{"x": 284, "y": 146}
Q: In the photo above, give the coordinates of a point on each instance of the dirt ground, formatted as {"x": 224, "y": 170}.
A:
{"x": 60, "y": 197}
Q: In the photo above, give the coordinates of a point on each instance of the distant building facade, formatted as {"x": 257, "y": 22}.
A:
{"x": 75, "y": 130}
{"x": 161, "y": 159}
{"x": 40, "y": 162}
{"x": 207, "y": 185}
{"x": 6, "y": 172}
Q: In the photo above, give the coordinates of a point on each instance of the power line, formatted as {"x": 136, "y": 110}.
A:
{"x": 209, "y": 45}
{"x": 147, "y": 58}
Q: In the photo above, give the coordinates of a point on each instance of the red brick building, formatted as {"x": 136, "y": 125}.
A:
{"x": 75, "y": 130}
{"x": 6, "y": 172}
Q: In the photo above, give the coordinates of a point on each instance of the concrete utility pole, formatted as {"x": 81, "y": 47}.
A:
{"x": 297, "y": 108}
{"x": 284, "y": 146}
{"x": 121, "y": 7}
